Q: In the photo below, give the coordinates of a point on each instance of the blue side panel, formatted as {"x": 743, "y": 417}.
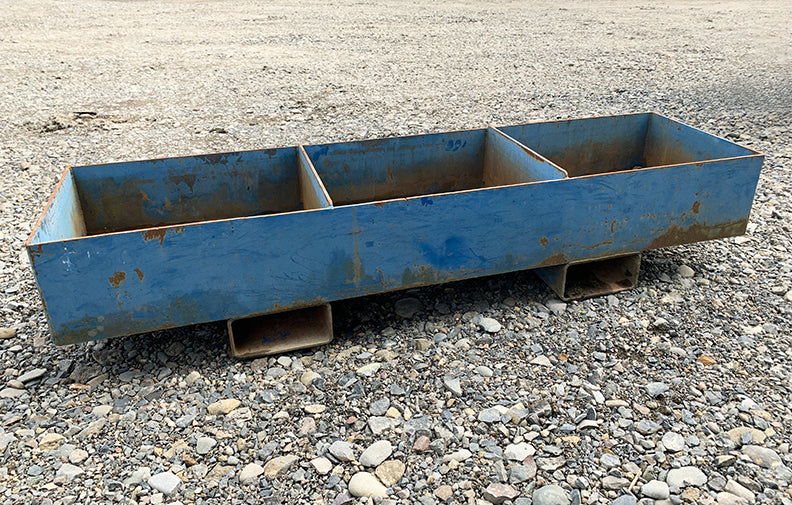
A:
{"x": 137, "y": 281}
{"x": 62, "y": 219}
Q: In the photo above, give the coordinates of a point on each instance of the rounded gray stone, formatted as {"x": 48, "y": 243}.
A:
{"x": 551, "y": 495}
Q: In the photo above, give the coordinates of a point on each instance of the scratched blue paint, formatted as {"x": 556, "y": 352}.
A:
{"x": 507, "y": 209}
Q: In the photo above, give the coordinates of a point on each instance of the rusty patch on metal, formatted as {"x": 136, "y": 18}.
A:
{"x": 676, "y": 235}
{"x": 556, "y": 259}
{"x": 117, "y": 279}
{"x": 158, "y": 234}
{"x": 544, "y": 241}
{"x": 696, "y": 207}
{"x": 139, "y": 273}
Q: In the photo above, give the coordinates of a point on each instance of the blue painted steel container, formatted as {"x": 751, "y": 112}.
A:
{"x": 133, "y": 247}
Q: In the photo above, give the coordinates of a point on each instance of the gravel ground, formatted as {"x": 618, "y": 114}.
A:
{"x": 675, "y": 392}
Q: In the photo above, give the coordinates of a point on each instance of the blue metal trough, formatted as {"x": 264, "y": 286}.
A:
{"x": 133, "y": 247}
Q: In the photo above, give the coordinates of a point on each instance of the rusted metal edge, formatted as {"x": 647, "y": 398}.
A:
{"x": 257, "y": 336}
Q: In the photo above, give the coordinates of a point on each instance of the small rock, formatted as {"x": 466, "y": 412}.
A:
{"x": 379, "y": 407}
{"x": 706, "y": 360}
{"x": 342, "y": 451}
{"x": 556, "y": 306}
{"x": 452, "y": 384}
{"x": 541, "y": 360}
{"x": 550, "y": 495}
{"x": 6, "y": 333}
{"x": 369, "y": 370}
{"x": 612, "y": 482}
{"x": 656, "y": 490}
{"x": 379, "y": 424}
{"x": 743, "y": 433}
{"x": 77, "y": 456}
{"x": 422, "y": 344}
{"x": 518, "y": 452}
{"x": 32, "y": 375}
{"x": 278, "y": 466}
{"x": 625, "y": 499}
{"x": 191, "y": 378}
{"x": 322, "y": 465}
{"x": 308, "y": 377}
{"x": 498, "y": 493}
{"x": 647, "y": 427}
{"x": 686, "y": 476}
{"x": 365, "y": 484}
{"x": 726, "y": 498}
{"x": 725, "y": 460}
{"x": 484, "y": 371}
{"x": 673, "y": 442}
{"x": 141, "y": 474}
{"x": 50, "y": 441}
{"x": 376, "y": 453}
{"x": 204, "y": 444}
{"x": 444, "y": 492}
{"x": 315, "y": 408}
{"x": 458, "y": 456}
{"x": 69, "y": 471}
{"x": 12, "y": 393}
{"x": 489, "y": 416}
{"x": 223, "y": 406}
{"x": 165, "y": 482}
{"x": 390, "y": 472}
{"x": 519, "y": 473}
{"x": 766, "y": 458}
{"x": 489, "y": 325}
{"x": 656, "y": 388}
{"x": 739, "y": 490}
{"x": 406, "y": 308}
{"x": 685, "y": 272}
{"x": 608, "y": 460}
{"x": 251, "y": 472}
{"x": 421, "y": 443}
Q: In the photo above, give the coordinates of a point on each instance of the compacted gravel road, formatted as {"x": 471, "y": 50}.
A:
{"x": 485, "y": 391}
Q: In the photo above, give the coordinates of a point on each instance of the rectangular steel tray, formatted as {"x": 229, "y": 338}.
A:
{"x": 125, "y": 248}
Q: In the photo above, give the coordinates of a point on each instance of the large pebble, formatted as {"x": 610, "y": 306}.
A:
{"x": 343, "y": 451}
{"x": 365, "y": 484}
{"x": 223, "y": 406}
{"x": 686, "y": 476}
{"x": 390, "y": 472}
{"x": 250, "y": 472}
{"x": 376, "y": 453}
{"x": 498, "y": 493}
{"x": 165, "y": 482}
{"x": 550, "y": 495}
{"x": 656, "y": 490}
{"x": 278, "y": 466}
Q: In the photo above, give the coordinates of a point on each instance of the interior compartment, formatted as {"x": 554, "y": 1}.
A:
{"x": 616, "y": 143}
{"x": 146, "y": 194}
{"x": 403, "y": 167}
